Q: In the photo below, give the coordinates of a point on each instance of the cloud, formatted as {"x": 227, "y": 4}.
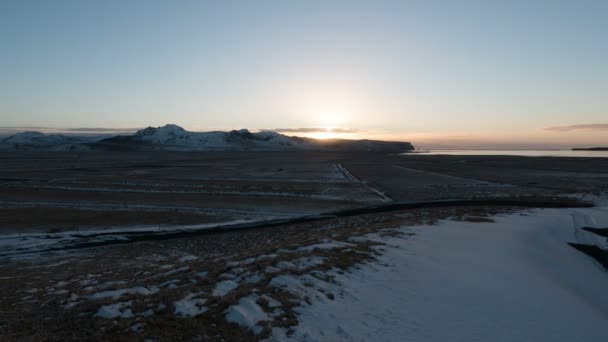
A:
{"x": 587, "y": 127}
{"x": 313, "y": 130}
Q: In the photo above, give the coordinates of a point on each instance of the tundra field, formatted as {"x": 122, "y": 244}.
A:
{"x": 235, "y": 246}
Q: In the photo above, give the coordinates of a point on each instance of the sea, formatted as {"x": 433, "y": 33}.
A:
{"x": 526, "y": 153}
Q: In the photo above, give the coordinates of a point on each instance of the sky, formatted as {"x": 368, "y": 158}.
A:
{"x": 437, "y": 73}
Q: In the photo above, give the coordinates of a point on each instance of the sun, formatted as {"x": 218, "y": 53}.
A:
{"x": 330, "y": 124}
{"x": 324, "y": 135}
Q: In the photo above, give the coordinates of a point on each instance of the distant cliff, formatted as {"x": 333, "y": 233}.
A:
{"x": 591, "y": 149}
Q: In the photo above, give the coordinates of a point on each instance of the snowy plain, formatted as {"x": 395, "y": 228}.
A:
{"x": 515, "y": 279}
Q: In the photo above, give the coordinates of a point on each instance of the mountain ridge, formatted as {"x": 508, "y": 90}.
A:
{"x": 174, "y": 137}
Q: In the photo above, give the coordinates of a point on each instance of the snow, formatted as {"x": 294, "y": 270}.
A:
{"x": 599, "y": 200}
{"x": 300, "y": 264}
{"x": 303, "y": 286}
{"x": 28, "y": 137}
{"x": 188, "y": 258}
{"x": 190, "y": 306}
{"x": 169, "y": 283}
{"x": 323, "y": 246}
{"x": 121, "y": 310}
{"x": 582, "y": 219}
{"x": 223, "y": 287}
{"x": 173, "y": 135}
{"x": 233, "y": 273}
{"x": 38, "y": 140}
{"x": 271, "y": 269}
{"x": 170, "y": 272}
{"x": 137, "y": 327}
{"x": 249, "y": 261}
{"x": 271, "y": 302}
{"x": 252, "y": 278}
{"x": 103, "y": 286}
{"x": 247, "y": 313}
{"x": 115, "y": 294}
{"x": 513, "y": 280}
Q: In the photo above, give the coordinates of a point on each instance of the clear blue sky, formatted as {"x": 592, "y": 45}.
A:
{"x": 486, "y": 71}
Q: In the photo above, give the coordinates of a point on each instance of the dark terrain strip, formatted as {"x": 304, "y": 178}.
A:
{"x": 597, "y": 231}
{"x": 595, "y": 252}
{"x": 394, "y": 206}
{"x": 457, "y": 203}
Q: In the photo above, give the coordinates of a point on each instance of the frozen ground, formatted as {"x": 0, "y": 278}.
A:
{"x": 63, "y": 191}
{"x": 513, "y": 280}
{"x": 140, "y": 272}
{"x": 395, "y": 276}
{"x": 54, "y": 192}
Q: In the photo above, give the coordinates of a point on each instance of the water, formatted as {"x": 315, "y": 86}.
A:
{"x": 526, "y": 153}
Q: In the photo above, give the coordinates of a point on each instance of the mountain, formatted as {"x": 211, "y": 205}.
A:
{"x": 173, "y": 137}
{"x": 30, "y": 141}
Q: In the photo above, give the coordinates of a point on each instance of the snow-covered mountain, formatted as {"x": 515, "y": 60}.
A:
{"x": 173, "y": 137}
{"x": 177, "y": 138}
{"x": 39, "y": 141}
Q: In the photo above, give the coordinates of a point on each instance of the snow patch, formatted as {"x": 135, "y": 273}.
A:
{"x": 187, "y": 258}
{"x": 300, "y": 264}
{"x": 328, "y": 244}
{"x": 115, "y": 294}
{"x": 103, "y": 286}
{"x": 121, "y": 310}
{"x": 190, "y": 306}
{"x": 223, "y": 287}
{"x": 247, "y": 313}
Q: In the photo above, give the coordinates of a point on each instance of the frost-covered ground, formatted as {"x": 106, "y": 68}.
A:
{"x": 457, "y": 274}
{"x": 515, "y": 279}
